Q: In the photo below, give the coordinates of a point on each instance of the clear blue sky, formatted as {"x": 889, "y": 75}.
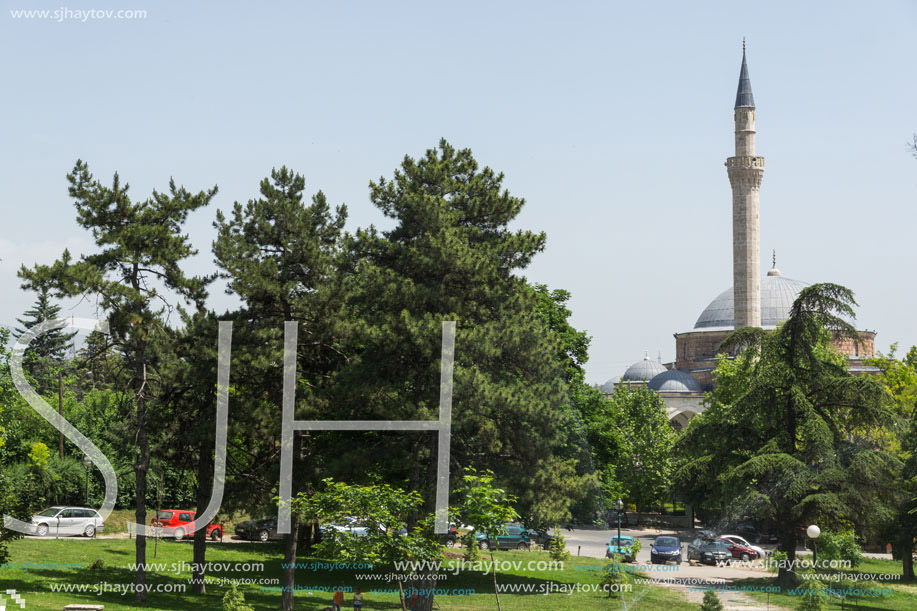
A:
{"x": 613, "y": 120}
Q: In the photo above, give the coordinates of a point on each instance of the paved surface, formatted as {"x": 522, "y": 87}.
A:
{"x": 592, "y": 543}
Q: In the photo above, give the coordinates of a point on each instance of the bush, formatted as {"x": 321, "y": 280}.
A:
{"x": 711, "y": 602}
{"x": 813, "y": 598}
{"x": 839, "y": 546}
{"x": 613, "y": 574}
{"x": 234, "y": 600}
{"x": 471, "y": 551}
{"x": 558, "y": 548}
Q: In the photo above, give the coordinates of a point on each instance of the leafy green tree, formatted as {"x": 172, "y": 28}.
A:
{"x": 47, "y": 352}
{"x": 136, "y": 269}
{"x": 384, "y": 511}
{"x": 799, "y": 426}
{"x": 645, "y": 460}
{"x": 485, "y": 508}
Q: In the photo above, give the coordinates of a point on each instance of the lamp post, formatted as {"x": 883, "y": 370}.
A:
{"x": 619, "y": 505}
{"x": 813, "y": 531}
{"x": 87, "y": 462}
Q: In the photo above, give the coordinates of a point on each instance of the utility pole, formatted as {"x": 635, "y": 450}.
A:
{"x": 60, "y": 412}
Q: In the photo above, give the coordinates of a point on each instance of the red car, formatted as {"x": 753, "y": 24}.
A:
{"x": 177, "y": 523}
{"x": 739, "y": 551}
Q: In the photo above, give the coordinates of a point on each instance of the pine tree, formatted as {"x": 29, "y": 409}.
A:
{"x": 452, "y": 256}
{"x": 711, "y": 602}
{"x": 800, "y": 426}
{"x": 48, "y": 351}
{"x": 141, "y": 248}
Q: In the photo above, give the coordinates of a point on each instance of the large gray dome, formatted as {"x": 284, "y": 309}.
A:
{"x": 643, "y": 371}
{"x": 673, "y": 380}
{"x": 777, "y": 297}
{"x": 609, "y": 386}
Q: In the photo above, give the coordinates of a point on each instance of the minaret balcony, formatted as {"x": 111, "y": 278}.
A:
{"x": 745, "y": 162}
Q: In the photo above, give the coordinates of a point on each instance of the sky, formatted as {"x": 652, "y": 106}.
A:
{"x": 612, "y": 119}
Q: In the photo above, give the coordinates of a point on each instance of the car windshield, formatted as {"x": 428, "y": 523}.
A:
{"x": 164, "y": 515}
{"x": 624, "y": 541}
{"x": 50, "y": 512}
{"x": 666, "y": 542}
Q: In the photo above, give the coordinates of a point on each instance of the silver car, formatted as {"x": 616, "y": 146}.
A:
{"x": 67, "y": 521}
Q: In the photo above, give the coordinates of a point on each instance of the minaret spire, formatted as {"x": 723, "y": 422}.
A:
{"x": 746, "y": 171}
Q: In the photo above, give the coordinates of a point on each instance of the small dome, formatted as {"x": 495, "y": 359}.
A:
{"x": 643, "y": 371}
{"x": 609, "y": 386}
{"x": 674, "y": 380}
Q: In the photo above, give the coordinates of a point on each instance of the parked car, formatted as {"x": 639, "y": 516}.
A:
{"x": 737, "y": 540}
{"x": 739, "y": 551}
{"x": 514, "y": 537}
{"x": 354, "y": 526}
{"x": 67, "y": 521}
{"x": 623, "y": 546}
{"x": 177, "y": 523}
{"x": 541, "y": 538}
{"x": 665, "y": 549}
{"x": 611, "y": 518}
{"x": 709, "y": 551}
{"x": 258, "y": 530}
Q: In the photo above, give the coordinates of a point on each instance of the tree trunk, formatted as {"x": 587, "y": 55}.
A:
{"x": 289, "y": 558}
{"x": 493, "y": 568}
{"x": 140, "y": 471}
{"x": 426, "y": 583}
{"x": 204, "y": 490}
{"x": 907, "y": 557}
{"x": 786, "y": 577}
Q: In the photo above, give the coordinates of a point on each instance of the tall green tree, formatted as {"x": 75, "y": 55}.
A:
{"x": 799, "y": 426}
{"x": 900, "y": 379}
{"x": 281, "y": 257}
{"x": 452, "y": 256}
{"x": 644, "y": 462}
{"x": 136, "y": 275}
{"x": 47, "y": 352}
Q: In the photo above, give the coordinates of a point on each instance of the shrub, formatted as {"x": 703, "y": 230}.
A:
{"x": 813, "y": 597}
{"x": 613, "y": 574}
{"x": 471, "y": 551}
{"x": 711, "y": 602}
{"x": 839, "y": 546}
{"x": 558, "y": 548}
{"x": 234, "y": 600}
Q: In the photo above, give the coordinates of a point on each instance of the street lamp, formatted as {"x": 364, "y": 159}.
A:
{"x": 813, "y": 531}
{"x": 620, "y": 506}
{"x": 87, "y": 462}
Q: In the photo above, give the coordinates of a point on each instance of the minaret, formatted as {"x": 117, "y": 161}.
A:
{"x": 745, "y": 173}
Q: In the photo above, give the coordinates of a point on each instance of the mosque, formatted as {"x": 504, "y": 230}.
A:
{"x": 751, "y": 302}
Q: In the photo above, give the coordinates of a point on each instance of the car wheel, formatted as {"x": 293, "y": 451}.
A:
{"x": 90, "y": 531}
{"x": 522, "y": 546}
{"x": 484, "y": 545}
{"x": 42, "y": 530}
{"x": 450, "y": 542}
{"x": 264, "y": 536}
{"x": 215, "y": 535}
{"x": 745, "y": 557}
{"x": 179, "y": 534}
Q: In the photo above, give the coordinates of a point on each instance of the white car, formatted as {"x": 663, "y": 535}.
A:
{"x": 67, "y": 521}
{"x": 740, "y": 541}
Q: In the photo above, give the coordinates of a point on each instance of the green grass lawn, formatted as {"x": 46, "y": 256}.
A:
{"x": 112, "y": 556}
{"x": 903, "y": 597}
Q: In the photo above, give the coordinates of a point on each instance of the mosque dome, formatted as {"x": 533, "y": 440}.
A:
{"x": 642, "y": 371}
{"x": 777, "y": 296}
{"x": 673, "y": 380}
{"x": 609, "y": 386}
